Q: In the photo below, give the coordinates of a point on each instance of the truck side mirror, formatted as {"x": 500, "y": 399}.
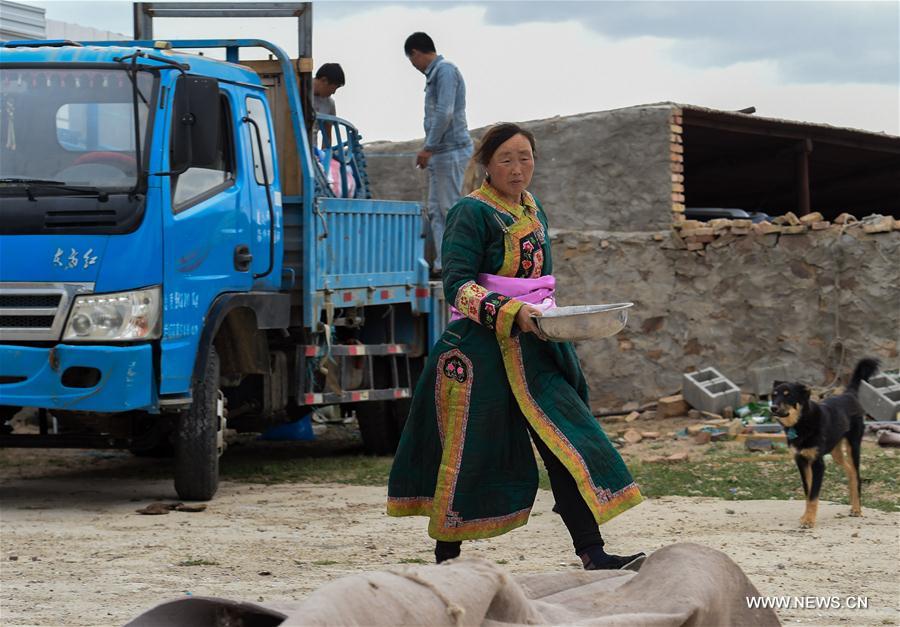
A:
{"x": 195, "y": 123}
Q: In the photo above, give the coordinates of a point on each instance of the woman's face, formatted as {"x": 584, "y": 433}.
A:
{"x": 512, "y": 166}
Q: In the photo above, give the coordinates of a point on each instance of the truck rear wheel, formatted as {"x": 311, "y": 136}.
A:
{"x": 199, "y": 437}
{"x": 381, "y": 422}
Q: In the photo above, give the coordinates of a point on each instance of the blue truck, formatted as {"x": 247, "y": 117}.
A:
{"x": 175, "y": 260}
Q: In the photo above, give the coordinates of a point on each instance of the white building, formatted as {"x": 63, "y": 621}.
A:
{"x": 23, "y": 21}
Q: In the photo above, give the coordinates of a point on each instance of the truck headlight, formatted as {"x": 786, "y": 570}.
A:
{"x": 115, "y": 317}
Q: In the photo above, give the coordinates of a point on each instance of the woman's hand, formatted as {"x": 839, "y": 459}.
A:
{"x": 525, "y": 320}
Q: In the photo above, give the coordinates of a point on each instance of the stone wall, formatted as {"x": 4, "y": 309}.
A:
{"x": 815, "y": 301}
{"x": 607, "y": 170}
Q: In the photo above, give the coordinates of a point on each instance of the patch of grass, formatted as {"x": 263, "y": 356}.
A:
{"x": 718, "y": 470}
{"x": 325, "y": 563}
{"x": 412, "y": 560}
{"x": 197, "y": 562}
{"x": 501, "y": 562}
{"x": 735, "y": 475}
{"x": 348, "y": 469}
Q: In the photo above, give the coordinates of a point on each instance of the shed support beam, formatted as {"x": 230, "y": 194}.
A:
{"x": 802, "y": 180}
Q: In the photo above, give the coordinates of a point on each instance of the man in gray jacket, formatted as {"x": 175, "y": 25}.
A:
{"x": 448, "y": 146}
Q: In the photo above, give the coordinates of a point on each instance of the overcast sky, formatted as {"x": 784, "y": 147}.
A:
{"x": 831, "y": 62}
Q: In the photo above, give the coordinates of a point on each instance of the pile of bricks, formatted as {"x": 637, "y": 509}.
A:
{"x": 695, "y": 235}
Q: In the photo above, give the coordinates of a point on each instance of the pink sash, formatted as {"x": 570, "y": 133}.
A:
{"x": 537, "y": 292}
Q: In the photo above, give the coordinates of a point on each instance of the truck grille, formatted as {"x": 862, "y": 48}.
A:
{"x": 36, "y": 311}
{"x": 26, "y": 322}
{"x": 29, "y": 300}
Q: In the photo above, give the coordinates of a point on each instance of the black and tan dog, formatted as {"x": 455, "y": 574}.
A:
{"x": 834, "y": 426}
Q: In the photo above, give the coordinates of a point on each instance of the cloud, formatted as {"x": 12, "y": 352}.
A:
{"x": 809, "y": 42}
{"x": 537, "y": 63}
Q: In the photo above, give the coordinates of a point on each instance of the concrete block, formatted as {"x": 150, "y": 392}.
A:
{"x": 760, "y": 379}
{"x": 880, "y": 396}
{"x": 709, "y": 390}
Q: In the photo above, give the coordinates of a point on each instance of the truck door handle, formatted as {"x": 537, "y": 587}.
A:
{"x": 242, "y": 257}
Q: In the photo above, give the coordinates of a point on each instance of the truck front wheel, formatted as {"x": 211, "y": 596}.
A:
{"x": 199, "y": 437}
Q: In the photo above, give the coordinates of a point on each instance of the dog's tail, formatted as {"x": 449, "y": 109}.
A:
{"x": 864, "y": 369}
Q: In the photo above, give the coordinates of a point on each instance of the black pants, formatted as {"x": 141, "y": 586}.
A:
{"x": 570, "y": 505}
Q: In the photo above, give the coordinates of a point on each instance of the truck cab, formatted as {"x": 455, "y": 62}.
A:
{"x": 173, "y": 260}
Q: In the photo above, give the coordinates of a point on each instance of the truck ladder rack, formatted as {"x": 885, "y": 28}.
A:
{"x": 396, "y": 383}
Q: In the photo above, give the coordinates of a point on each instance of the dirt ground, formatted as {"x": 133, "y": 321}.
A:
{"x": 75, "y": 552}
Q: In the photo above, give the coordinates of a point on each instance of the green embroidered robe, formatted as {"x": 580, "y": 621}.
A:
{"x": 465, "y": 458}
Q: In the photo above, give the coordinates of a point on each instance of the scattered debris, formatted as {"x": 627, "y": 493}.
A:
{"x": 845, "y": 218}
{"x": 709, "y": 390}
{"x": 670, "y": 406}
{"x": 702, "y": 437}
{"x": 632, "y": 416}
{"x": 765, "y": 428}
{"x": 766, "y": 228}
{"x": 880, "y": 396}
{"x": 670, "y": 459}
{"x": 771, "y": 437}
{"x": 181, "y": 507}
{"x": 877, "y": 224}
{"x": 789, "y": 219}
{"x": 758, "y": 445}
{"x": 754, "y": 412}
{"x": 632, "y": 436}
{"x": 696, "y": 236}
{"x": 650, "y": 435}
{"x": 156, "y": 509}
{"x": 886, "y": 433}
{"x": 810, "y": 218}
{"x": 159, "y": 508}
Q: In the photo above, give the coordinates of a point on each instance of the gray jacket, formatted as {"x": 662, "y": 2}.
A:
{"x": 445, "y": 107}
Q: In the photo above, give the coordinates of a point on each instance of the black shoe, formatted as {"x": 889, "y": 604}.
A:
{"x": 444, "y": 551}
{"x": 595, "y": 558}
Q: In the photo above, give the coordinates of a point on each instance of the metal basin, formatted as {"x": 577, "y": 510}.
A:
{"x": 583, "y": 322}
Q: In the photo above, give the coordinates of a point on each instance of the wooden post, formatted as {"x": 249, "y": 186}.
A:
{"x": 802, "y": 181}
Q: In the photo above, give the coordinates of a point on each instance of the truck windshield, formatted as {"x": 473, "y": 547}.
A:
{"x": 63, "y": 130}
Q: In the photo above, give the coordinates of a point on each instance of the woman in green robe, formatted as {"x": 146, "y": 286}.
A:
{"x": 492, "y": 384}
